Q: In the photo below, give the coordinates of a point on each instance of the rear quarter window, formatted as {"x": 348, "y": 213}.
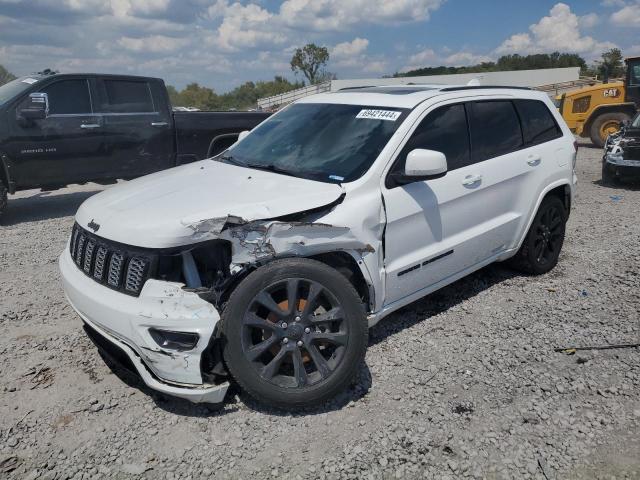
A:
{"x": 538, "y": 124}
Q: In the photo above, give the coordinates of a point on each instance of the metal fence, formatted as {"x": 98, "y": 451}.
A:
{"x": 293, "y": 95}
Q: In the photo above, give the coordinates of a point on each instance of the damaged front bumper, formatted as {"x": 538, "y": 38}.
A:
{"x": 126, "y": 322}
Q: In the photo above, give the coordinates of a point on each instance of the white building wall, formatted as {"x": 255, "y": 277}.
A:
{"x": 518, "y": 78}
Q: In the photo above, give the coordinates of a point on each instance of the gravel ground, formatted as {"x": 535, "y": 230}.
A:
{"x": 464, "y": 383}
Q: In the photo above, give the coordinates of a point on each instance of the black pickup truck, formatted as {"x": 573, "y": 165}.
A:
{"x": 59, "y": 129}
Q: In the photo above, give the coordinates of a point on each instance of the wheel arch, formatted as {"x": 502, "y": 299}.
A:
{"x": 560, "y": 189}
{"x": 346, "y": 263}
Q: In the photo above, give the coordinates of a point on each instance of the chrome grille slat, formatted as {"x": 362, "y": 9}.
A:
{"x": 98, "y": 268}
{"x": 135, "y": 274}
{"x": 115, "y": 269}
{"x": 88, "y": 256}
{"x": 80, "y": 249}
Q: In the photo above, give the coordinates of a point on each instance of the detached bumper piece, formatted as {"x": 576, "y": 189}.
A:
{"x": 126, "y": 357}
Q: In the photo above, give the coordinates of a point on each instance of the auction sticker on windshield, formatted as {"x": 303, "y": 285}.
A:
{"x": 389, "y": 115}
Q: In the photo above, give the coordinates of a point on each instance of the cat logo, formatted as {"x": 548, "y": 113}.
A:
{"x": 611, "y": 92}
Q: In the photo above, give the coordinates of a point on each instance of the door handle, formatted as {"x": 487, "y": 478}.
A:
{"x": 471, "y": 180}
{"x": 90, "y": 125}
{"x": 159, "y": 124}
{"x": 534, "y": 160}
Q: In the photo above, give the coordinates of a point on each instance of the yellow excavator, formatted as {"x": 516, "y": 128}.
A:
{"x": 597, "y": 111}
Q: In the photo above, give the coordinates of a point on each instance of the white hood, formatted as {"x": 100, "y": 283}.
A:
{"x": 164, "y": 209}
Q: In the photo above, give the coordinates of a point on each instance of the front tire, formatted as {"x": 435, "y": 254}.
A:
{"x": 541, "y": 247}
{"x": 296, "y": 333}
{"x": 4, "y": 199}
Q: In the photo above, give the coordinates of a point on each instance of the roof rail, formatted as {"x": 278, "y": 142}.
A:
{"x": 357, "y": 88}
{"x": 481, "y": 87}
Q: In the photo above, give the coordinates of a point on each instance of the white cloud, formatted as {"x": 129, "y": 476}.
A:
{"x": 153, "y": 43}
{"x": 612, "y": 3}
{"x": 559, "y": 31}
{"x": 588, "y": 21}
{"x": 629, "y": 16}
{"x": 349, "y": 49}
{"x": 322, "y": 15}
{"x": 247, "y": 26}
{"x": 461, "y": 59}
{"x": 423, "y": 57}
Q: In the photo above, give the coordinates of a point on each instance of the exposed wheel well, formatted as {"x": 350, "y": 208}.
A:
{"x": 563, "y": 192}
{"x": 347, "y": 266}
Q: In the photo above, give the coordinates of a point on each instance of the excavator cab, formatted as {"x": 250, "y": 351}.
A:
{"x": 633, "y": 81}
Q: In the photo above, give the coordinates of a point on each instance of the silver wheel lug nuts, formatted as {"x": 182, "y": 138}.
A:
{"x": 285, "y": 340}
{"x": 300, "y": 343}
{"x": 298, "y": 319}
{"x": 284, "y": 325}
{"x": 307, "y": 330}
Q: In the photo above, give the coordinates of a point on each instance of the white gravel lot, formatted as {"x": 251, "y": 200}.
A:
{"x": 464, "y": 383}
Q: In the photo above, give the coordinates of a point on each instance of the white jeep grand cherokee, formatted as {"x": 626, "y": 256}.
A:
{"x": 269, "y": 262}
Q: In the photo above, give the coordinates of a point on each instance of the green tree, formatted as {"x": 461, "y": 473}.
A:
{"x": 5, "y": 75}
{"x": 506, "y": 63}
{"x": 240, "y": 98}
{"x": 310, "y": 60}
{"x": 612, "y": 60}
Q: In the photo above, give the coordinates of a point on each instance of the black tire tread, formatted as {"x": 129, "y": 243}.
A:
{"x": 521, "y": 261}
{"x": 4, "y": 200}
{"x": 268, "y": 271}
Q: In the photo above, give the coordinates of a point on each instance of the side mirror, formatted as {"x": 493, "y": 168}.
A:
{"x": 422, "y": 165}
{"x": 36, "y": 107}
{"x": 243, "y": 135}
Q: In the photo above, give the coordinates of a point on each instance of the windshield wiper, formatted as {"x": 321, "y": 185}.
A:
{"x": 228, "y": 158}
{"x": 270, "y": 168}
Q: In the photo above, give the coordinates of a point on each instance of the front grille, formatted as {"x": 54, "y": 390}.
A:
{"x": 115, "y": 265}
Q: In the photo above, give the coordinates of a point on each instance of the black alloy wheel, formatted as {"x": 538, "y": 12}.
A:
{"x": 295, "y": 333}
{"x": 541, "y": 247}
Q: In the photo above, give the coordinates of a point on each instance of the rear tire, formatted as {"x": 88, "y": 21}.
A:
{"x": 541, "y": 247}
{"x": 604, "y": 123}
{"x": 296, "y": 333}
{"x": 4, "y": 199}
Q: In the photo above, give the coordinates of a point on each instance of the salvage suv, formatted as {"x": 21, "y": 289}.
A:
{"x": 269, "y": 262}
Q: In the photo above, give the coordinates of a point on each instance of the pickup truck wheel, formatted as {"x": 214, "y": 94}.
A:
{"x": 541, "y": 247}
{"x": 296, "y": 333}
{"x": 3, "y": 199}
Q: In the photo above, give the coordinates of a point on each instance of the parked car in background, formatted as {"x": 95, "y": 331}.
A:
{"x": 269, "y": 262}
{"x": 75, "y": 128}
{"x": 621, "y": 158}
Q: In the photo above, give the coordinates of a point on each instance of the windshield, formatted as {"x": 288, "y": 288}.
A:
{"x": 636, "y": 121}
{"x": 14, "y": 88}
{"x": 326, "y": 142}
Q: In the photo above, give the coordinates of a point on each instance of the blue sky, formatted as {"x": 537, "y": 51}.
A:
{"x": 222, "y": 43}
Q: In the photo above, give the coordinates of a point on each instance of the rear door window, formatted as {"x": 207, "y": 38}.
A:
{"x": 495, "y": 129}
{"x": 538, "y": 124}
{"x": 68, "y": 97}
{"x": 126, "y": 96}
{"x": 443, "y": 130}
